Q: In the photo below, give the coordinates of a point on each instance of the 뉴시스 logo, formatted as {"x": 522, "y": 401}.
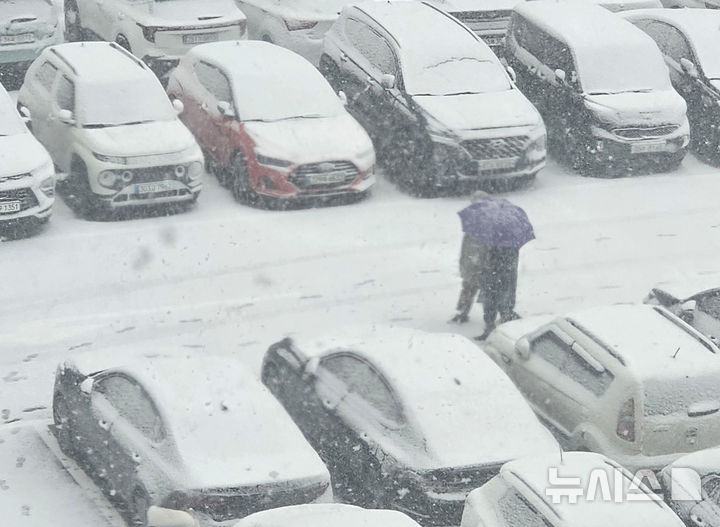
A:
{"x": 604, "y": 485}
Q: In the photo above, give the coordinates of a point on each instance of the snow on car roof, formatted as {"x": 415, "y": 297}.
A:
{"x": 685, "y": 288}
{"x": 590, "y": 510}
{"x": 199, "y": 395}
{"x": 326, "y": 515}
{"x": 440, "y": 378}
{"x": 100, "y": 62}
{"x": 649, "y": 343}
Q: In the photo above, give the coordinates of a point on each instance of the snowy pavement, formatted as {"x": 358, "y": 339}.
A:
{"x": 225, "y": 278}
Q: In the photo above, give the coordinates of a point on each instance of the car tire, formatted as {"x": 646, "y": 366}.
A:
{"x": 240, "y": 185}
{"x": 63, "y": 426}
{"x": 137, "y": 508}
{"x": 73, "y": 27}
{"x": 122, "y": 41}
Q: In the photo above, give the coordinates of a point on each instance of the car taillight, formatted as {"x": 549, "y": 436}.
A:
{"x": 294, "y": 25}
{"x": 626, "y": 421}
{"x": 148, "y": 32}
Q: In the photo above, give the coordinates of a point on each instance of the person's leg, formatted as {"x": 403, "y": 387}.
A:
{"x": 465, "y": 302}
{"x": 489, "y": 315}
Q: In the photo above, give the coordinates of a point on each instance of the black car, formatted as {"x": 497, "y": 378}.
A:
{"x": 404, "y": 419}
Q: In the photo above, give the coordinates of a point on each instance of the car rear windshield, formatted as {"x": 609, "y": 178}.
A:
{"x": 456, "y": 76}
{"x": 117, "y": 103}
{"x": 684, "y": 395}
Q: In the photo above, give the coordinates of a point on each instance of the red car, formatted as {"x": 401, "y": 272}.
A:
{"x": 270, "y": 124}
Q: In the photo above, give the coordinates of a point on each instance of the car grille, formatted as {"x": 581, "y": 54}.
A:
{"x": 484, "y": 21}
{"x": 150, "y": 175}
{"x": 496, "y": 148}
{"x": 327, "y": 175}
{"x": 25, "y": 196}
{"x": 645, "y": 132}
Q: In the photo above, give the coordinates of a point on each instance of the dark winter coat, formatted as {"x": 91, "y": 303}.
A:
{"x": 498, "y": 282}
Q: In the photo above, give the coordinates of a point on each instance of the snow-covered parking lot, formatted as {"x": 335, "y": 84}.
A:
{"x": 229, "y": 279}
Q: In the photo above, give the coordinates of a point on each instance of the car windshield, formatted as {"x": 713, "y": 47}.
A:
{"x": 456, "y": 76}
{"x": 119, "y": 103}
{"x": 605, "y": 72}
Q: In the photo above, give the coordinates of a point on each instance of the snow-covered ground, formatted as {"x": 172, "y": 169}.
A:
{"x": 225, "y": 278}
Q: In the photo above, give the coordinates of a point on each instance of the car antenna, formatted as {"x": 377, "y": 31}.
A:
{"x": 562, "y": 461}
{"x": 676, "y": 352}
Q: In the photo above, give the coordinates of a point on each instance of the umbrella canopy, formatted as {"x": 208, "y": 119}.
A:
{"x": 496, "y": 222}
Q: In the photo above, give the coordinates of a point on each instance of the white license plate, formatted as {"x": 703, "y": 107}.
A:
{"x": 23, "y": 38}
{"x": 326, "y": 179}
{"x": 497, "y": 164}
{"x": 644, "y": 148}
{"x": 200, "y": 38}
{"x": 147, "y": 188}
{"x": 9, "y": 207}
{"x": 493, "y": 40}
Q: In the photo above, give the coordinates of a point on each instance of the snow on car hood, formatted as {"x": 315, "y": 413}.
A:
{"x": 27, "y": 11}
{"x": 454, "y": 6}
{"x": 651, "y": 108}
{"x": 159, "y": 137}
{"x": 195, "y": 12}
{"x": 310, "y": 140}
{"x": 481, "y": 110}
{"x": 21, "y": 153}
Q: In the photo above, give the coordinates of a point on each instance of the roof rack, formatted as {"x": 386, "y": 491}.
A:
{"x": 596, "y": 340}
{"x": 687, "y": 329}
{"x": 132, "y": 57}
{"x": 62, "y": 58}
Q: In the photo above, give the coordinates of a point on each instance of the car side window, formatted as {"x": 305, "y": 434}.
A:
{"x": 372, "y": 46}
{"x": 710, "y": 304}
{"x": 669, "y": 39}
{"x": 65, "y": 94}
{"x": 133, "y": 404}
{"x": 516, "y": 511}
{"x": 551, "y": 349}
{"x": 45, "y": 75}
{"x": 711, "y": 487}
{"x": 364, "y": 381}
{"x": 214, "y": 81}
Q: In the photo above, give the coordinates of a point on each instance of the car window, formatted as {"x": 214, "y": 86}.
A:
{"x": 548, "y": 50}
{"x": 363, "y": 380}
{"x": 133, "y": 404}
{"x": 710, "y": 304}
{"x": 372, "y": 46}
{"x": 65, "y": 94}
{"x": 214, "y": 81}
{"x": 516, "y": 511}
{"x": 46, "y": 75}
{"x": 670, "y": 41}
{"x": 711, "y": 486}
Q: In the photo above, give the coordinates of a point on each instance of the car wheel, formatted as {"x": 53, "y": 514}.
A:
{"x": 240, "y": 181}
{"x": 63, "y": 426}
{"x": 85, "y": 199}
{"x": 73, "y": 27}
{"x": 123, "y": 42}
{"x": 138, "y": 508}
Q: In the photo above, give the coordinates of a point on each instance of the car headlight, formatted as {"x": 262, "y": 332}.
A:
{"x": 47, "y": 186}
{"x": 118, "y": 160}
{"x": 195, "y": 170}
{"x": 271, "y": 161}
{"x": 107, "y": 178}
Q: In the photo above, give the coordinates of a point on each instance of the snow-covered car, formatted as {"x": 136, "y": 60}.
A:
{"x": 270, "y": 124}
{"x": 27, "y": 174}
{"x": 700, "y": 4}
{"x": 404, "y": 419}
{"x": 107, "y": 121}
{"x": 159, "y": 427}
{"x": 699, "y": 307}
{"x": 157, "y": 31}
{"x": 439, "y": 105}
{"x": 326, "y": 515}
{"x": 601, "y": 85}
{"x": 299, "y": 25}
{"x": 623, "y": 5}
{"x": 27, "y": 27}
{"x": 692, "y": 485}
{"x": 633, "y": 382}
{"x": 689, "y": 40}
{"x": 577, "y": 488}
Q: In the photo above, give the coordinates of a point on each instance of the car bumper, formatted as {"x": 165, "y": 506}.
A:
{"x": 40, "y": 209}
{"x": 302, "y": 42}
{"x": 280, "y": 184}
{"x": 175, "y": 192}
{"x": 609, "y": 147}
{"x": 433, "y": 509}
{"x": 19, "y": 53}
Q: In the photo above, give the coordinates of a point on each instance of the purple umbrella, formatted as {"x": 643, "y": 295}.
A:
{"x": 496, "y": 222}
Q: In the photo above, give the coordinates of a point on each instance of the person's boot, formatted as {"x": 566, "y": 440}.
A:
{"x": 509, "y": 316}
{"x": 460, "y": 318}
{"x": 485, "y": 334}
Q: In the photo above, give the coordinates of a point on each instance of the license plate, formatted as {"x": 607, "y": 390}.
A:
{"x": 9, "y": 207}
{"x": 147, "y": 188}
{"x": 326, "y": 179}
{"x": 492, "y": 40}
{"x": 23, "y": 38}
{"x": 200, "y": 38}
{"x": 496, "y": 164}
{"x": 644, "y": 148}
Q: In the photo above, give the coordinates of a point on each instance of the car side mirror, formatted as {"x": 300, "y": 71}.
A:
{"x": 162, "y": 517}
{"x": 24, "y": 114}
{"x": 689, "y": 68}
{"x": 86, "y": 386}
{"x": 225, "y": 109}
{"x": 387, "y": 81}
{"x": 512, "y": 73}
{"x": 311, "y": 367}
{"x": 522, "y": 348}
{"x": 560, "y": 75}
{"x": 65, "y": 117}
{"x": 342, "y": 97}
{"x": 178, "y": 105}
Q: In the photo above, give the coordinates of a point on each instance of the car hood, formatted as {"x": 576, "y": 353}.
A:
{"x": 21, "y": 153}
{"x": 304, "y": 10}
{"x": 455, "y": 6}
{"x": 26, "y": 12}
{"x": 480, "y": 111}
{"x": 191, "y": 12}
{"x": 310, "y": 140}
{"x": 652, "y": 108}
{"x": 160, "y": 137}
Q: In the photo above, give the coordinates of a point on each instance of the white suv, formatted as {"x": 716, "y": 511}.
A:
{"x": 27, "y": 176}
{"x": 106, "y": 120}
{"x": 158, "y": 31}
{"x": 635, "y": 383}
{"x": 27, "y": 27}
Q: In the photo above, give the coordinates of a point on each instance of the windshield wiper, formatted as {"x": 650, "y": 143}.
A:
{"x": 462, "y": 93}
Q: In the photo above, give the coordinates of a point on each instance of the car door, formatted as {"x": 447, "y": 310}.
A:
{"x": 36, "y": 96}
{"x": 215, "y": 128}
{"x": 706, "y": 317}
{"x": 63, "y": 98}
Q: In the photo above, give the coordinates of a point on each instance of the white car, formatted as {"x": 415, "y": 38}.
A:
{"x": 622, "y": 5}
{"x": 27, "y": 175}
{"x": 27, "y": 27}
{"x": 326, "y": 515}
{"x": 158, "y": 31}
{"x": 568, "y": 490}
{"x": 299, "y": 25}
{"x": 633, "y": 382}
{"x": 186, "y": 432}
{"x": 693, "y": 487}
{"x": 106, "y": 120}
